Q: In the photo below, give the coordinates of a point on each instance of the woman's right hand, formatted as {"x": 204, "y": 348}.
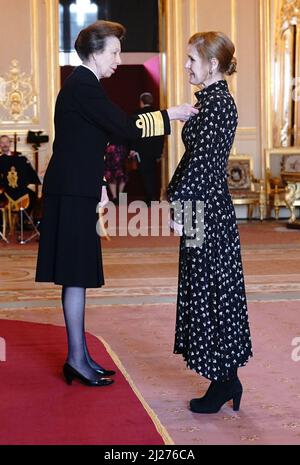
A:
{"x": 182, "y": 112}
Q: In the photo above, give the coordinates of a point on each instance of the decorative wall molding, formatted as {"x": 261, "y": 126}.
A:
{"x": 289, "y": 14}
{"x": 265, "y": 80}
{"x": 246, "y": 133}
{"x": 52, "y": 50}
{"x": 18, "y": 100}
{"x": 35, "y": 47}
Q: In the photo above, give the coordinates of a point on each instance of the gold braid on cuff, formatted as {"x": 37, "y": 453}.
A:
{"x": 151, "y": 124}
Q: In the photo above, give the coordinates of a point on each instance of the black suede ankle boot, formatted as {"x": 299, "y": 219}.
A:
{"x": 218, "y": 393}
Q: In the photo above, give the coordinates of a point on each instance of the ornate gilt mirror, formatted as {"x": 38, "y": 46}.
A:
{"x": 285, "y": 72}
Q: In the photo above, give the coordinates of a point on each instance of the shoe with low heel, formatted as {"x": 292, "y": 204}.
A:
{"x": 217, "y": 395}
{"x": 104, "y": 372}
{"x": 70, "y": 373}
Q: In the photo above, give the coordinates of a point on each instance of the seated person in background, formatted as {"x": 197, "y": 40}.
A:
{"x": 16, "y": 173}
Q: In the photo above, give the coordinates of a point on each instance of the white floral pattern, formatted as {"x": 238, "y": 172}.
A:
{"x": 212, "y": 329}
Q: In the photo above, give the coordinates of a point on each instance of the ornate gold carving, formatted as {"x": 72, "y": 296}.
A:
{"x": 283, "y": 180}
{"x": 18, "y": 97}
{"x": 290, "y": 14}
{"x": 291, "y": 195}
{"x": 285, "y": 68}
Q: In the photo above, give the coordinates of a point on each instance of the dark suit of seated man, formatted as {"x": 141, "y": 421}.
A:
{"x": 16, "y": 174}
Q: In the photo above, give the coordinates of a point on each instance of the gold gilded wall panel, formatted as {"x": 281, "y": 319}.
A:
{"x": 34, "y": 45}
{"x": 18, "y": 99}
{"x": 19, "y": 77}
{"x": 280, "y": 64}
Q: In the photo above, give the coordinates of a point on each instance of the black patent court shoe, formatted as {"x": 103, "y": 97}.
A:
{"x": 70, "y": 373}
{"x": 103, "y": 372}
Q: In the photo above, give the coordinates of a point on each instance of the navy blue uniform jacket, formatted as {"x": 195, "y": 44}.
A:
{"x": 84, "y": 119}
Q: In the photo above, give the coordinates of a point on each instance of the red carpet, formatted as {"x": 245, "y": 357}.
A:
{"x": 38, "y": 407}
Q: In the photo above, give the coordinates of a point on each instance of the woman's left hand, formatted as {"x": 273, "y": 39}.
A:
{"x": 104, "y": 197}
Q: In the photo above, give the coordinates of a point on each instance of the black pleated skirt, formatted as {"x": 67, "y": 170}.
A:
{"x": 69, "y": 248}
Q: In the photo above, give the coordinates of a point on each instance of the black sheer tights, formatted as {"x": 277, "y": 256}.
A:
{"x": 73, "y": 302}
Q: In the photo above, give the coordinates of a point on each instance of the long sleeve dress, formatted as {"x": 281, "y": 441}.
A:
{"x": 212, "y": 329}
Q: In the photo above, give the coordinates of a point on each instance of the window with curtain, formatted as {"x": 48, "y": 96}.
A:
{"x": 74, "y": 15}
{"x": 140, "y": 17}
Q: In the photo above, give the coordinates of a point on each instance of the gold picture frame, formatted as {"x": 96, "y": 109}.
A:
{"x": 244, "y": 188}
{"x": 239, "y": 171}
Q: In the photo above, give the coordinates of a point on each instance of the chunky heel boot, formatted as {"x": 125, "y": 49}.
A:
{"x": 219, "y": 392}
{"x": 236, "y": 401}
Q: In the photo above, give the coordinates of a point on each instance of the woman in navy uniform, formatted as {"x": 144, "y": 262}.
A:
{"x": 212, "y": 330}
{"x": 69, "y": 248}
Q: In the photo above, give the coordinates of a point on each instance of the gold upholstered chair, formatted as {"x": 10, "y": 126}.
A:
{"x": 283, "y": 180}
{"x": 244, "y": 188}
{"x": 17, "y": 214}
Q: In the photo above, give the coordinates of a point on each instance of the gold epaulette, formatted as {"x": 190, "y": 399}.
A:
{"x": 152, "y": 124}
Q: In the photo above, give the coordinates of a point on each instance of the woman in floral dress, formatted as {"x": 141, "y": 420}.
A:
{"x": 114, "y": 166}
{"x": 212, "y": 330}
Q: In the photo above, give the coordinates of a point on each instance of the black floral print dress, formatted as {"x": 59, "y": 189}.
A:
{"x": 212, "y": 329}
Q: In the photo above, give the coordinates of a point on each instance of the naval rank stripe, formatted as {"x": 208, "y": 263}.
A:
{"x": 151, "y": 124}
